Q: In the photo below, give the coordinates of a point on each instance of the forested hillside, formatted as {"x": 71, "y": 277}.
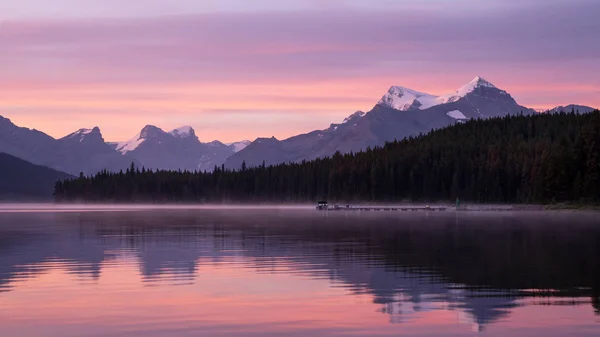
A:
{"x": 516, "y": 159}
{"x": 22, "y": 180}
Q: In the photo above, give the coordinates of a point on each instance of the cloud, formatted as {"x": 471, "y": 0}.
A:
{"x": 319, "y": 44}
{"x": 231, "y": 59}
{"x": 61, "y": 9}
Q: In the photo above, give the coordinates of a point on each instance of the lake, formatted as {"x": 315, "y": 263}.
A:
{"x": 296, "y": 272}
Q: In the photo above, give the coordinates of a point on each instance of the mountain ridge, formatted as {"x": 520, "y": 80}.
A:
{"x": 179, "y": 148}
{"x": 401, "y": 112}
{"x": 402, "y": 98}
{"x": 412, "y": 113}
{"x": 81, "y": 151}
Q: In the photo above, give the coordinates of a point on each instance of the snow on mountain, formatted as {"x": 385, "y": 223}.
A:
{"x": 403, "y": 99}
{"x": 183, "y": 132}
{"x": 151, "y": 131}
{"x": 456, "y": 114}
{"x": 82, "y": 133}
{"x": 477, "y": 82}
{"x": 130, "y": 145}
{"x": 174, "y": 150}
{"x": 239, "y": 146}
{"x": 422, "y": 113}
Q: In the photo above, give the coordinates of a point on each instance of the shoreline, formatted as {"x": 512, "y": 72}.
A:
{"x": 389, "y": 207}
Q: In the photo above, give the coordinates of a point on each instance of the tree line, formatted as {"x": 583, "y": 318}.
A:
{"x": 545, "y": 158}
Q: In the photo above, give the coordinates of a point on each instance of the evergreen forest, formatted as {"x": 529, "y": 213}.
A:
{"x": 541, "y": 159}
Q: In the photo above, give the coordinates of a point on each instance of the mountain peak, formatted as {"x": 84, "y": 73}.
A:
{"x": 477, "y": 82}
{"x": 82, "y": 134}
{"x": 183, "y": 132}
{"x": 86, "y": 131}
{"x": 216, "y": 143}
{"x": 150, "y": 127}
{"x": 150, "y": 131}
{"x": 266, "y": 140}
{"x": 481, "y": 80}
{"x": 403, "y": 99}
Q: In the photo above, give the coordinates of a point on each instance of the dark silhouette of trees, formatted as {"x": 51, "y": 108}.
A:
{"x": 545, "y": 158}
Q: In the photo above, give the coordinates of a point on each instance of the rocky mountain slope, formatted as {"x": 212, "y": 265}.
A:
{"x": 400, "y": 113}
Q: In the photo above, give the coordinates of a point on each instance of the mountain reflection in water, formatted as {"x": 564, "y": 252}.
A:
{"x": 298, "y": 273}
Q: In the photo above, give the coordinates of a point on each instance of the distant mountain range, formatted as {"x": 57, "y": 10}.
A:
{"x": 85, "y": 150}
{"x": 82, "y": 151}
{"x": 21, "y": 180}
{"x": 176, "y": 149}
{"x": 401, "y": 112}
{"x": 572, "y": 108}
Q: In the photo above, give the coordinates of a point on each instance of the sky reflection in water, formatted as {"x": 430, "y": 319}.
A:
{"x": 297, "y": 273}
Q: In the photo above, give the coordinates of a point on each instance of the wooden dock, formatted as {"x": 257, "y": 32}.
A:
{"x": 427, "y": 209}
{"x": 324, "y": 206}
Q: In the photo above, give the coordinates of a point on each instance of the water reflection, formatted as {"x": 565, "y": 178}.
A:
{"x": 413, "y": 269}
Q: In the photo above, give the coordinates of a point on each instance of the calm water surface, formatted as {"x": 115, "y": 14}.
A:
{"x": 295, "y": 272}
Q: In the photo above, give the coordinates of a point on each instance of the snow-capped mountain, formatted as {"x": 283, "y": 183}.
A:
{"x": 403, "y": 99}
{"x": 86, "y": 151}
{"x": 183, "y": 132}
{"x": 82, "y": 133}
{"x": 81, "y": 151}
{"x": 401, "y": 112}
{"x": 239, "y": 146}
{"x": 174, "y": 150}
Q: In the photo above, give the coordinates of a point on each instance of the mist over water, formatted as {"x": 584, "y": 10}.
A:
{"x": 66, "y": 207}
{"x": 80, "y": 270}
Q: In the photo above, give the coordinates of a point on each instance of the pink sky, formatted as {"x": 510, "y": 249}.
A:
{"x": 281, "y": 68}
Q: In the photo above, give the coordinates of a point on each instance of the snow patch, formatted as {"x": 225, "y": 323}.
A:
{"x": 477, "y": 82}
{"x": 400, "y": 98}
{"x": 403, "y": 99}
{"x": 84, "y": 131}
{"x": 456, "y": 114}
{"x": 239, "y": 146}
{"x": 182, "y": 132}
{"x": 131, "y": 144}
{"x": 81, "y": 133}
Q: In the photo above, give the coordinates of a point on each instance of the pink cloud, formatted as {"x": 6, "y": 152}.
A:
{"x": 308, "y": 63}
